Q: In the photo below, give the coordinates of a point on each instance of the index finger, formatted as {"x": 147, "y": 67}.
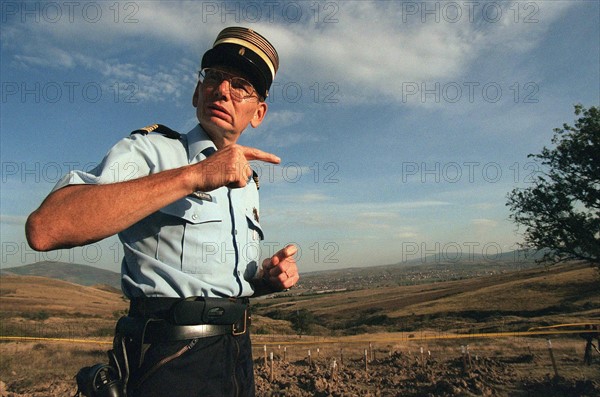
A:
{"x": 256, "y": 154}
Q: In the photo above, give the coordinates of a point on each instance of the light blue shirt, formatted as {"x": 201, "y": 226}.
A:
{"x": 196, "y": 246}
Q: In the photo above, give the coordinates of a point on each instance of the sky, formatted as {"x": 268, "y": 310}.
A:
{"x": 401, "y": 125}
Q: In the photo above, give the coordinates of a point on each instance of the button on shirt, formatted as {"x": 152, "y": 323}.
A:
{"x": 201, "y": 245}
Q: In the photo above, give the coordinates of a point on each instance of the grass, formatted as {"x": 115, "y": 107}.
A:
{"x": 28, "y": 365}
{"x": 392, "y": 318}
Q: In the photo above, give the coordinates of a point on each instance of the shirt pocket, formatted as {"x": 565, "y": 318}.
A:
{"x": 194, "y": 211}
{"x": 192, "y": 246}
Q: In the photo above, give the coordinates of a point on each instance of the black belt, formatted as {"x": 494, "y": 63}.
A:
{"x": 171, "y": 319}
{"x": 162, "y": 331}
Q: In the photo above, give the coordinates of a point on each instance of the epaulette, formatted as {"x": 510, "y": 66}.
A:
{"x": 255, "y": 177}
{"x": 161, "y": 129}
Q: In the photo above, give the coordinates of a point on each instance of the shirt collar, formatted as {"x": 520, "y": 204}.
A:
{"x": 198, "y": 140}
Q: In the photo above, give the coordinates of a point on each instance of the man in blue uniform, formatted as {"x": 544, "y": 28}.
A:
{"x": 186, "y": 210}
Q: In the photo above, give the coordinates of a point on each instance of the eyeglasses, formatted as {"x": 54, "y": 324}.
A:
{"x": 240, "y": 89}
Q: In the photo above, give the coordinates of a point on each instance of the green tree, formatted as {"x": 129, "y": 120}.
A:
{"x": 560, "y": 211}
{"x": 302, "y": 321}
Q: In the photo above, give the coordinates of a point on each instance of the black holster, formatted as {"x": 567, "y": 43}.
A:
{"x": 110, "y": 380}
{"x": 159, "y": 319}
{"x": 128, "y": 346}
{"x": 100, "y": 380}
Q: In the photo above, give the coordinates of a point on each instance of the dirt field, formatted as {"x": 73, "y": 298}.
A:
{"x": 504, "y": 367}
{"x": 490, "y": 367}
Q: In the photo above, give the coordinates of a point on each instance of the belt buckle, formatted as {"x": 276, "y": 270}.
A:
{"x": 236, "y": 332}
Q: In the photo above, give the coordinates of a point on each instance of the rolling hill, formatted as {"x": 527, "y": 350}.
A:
{"x": 482, "y": 299}
{"x": 74, "y": 273}
{"x": 364, "y": 277}
{"x": 507, "y": 301}
{"x": 21, "y": 295}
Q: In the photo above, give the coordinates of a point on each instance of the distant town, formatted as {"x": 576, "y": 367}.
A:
{"x": 397, "y": 275}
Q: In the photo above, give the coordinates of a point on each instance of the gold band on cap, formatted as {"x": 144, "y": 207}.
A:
{"x": 247, "y": 44}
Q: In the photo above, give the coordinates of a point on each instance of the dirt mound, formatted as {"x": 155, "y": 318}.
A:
{"x": 506, "y": 367}
{"x": 60, "y": 387}
{"x": 397, "y": 375}
{"x": 403, "y": 375}
{"x": 559, "y": 387}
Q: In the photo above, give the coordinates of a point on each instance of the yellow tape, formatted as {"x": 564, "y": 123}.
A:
{"x": 35, "y": 338}
{"x": 415, "y": 337}
{"x": 551, "y": 330}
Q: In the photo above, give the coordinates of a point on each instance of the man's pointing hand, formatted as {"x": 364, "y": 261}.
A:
{"x": 229, "y": 167}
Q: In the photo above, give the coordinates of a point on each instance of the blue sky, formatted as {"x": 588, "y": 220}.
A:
{"x": 401, "y": 126}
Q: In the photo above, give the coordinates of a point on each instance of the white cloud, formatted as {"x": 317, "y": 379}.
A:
{"x": 18, "y": 220}
{"x": 484, "y": 223}
{"x": 406, "y": 235}
{"x": 373, "y": 55}
{"x": 378, "y": 220}
{"x": 312, "y": 197}
{"x": 279, "y": 130}
{"x": 485, "y": 206}
{"x": 285, "y": 118}
{"x": 374, "y": 51}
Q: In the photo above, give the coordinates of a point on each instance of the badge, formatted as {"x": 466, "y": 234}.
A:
{"x": 202, "y": 196}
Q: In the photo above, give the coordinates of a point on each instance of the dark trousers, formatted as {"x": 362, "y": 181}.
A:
{"x": 219, "y": 366}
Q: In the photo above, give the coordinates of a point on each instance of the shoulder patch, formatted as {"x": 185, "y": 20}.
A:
{"x": 161, "y": 129}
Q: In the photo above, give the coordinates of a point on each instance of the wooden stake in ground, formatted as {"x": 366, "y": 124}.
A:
{"x": 589, "y": 345}
{"x": 464, "y": 358}
{"x": 469, "y": 357}
{"x": 334, "y": 371}
{"x": 422, "y": 358}
{"x": 265, "y": 350}
{"x": 309, "y": 358}
{"x": 552, "y": 358}
{"x": 366, "y": 362}
{"x": 271, "y": 376}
